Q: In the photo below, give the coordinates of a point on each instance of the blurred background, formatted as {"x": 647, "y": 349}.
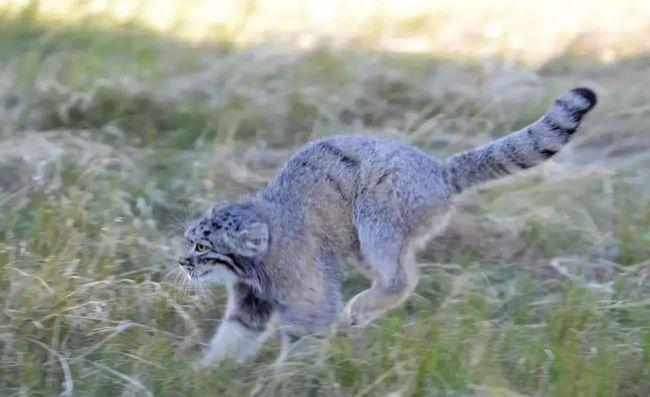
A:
{"x": 121, "y": 119}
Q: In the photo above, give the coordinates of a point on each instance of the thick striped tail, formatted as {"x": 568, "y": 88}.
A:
{"x": 522, "y": 149}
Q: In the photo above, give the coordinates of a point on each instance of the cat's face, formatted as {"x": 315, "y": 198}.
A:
{"x": 222, "y": 245}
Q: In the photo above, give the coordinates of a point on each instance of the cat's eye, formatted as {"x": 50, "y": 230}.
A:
{"x": 201, "y": 248}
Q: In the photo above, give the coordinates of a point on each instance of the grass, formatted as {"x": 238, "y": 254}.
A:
{"x": 111, "y": 132}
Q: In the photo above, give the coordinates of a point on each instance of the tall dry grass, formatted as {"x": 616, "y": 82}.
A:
{"x": 119, "y": 118}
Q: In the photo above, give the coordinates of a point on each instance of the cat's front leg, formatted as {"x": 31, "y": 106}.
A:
{"x": 232, "y": 340}
{"x": 243, "y": 329}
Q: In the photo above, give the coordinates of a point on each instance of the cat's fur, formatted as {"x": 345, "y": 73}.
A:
{"x": 377, "y": 201}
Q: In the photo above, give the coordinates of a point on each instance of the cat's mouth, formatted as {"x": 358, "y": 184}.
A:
{"x": 203, "y": 274}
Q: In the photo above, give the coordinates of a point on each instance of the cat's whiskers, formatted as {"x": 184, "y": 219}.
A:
{"x": 178, "y": 222}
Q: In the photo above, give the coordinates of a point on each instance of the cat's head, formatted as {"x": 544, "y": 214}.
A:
{"x": 224, "y": 244}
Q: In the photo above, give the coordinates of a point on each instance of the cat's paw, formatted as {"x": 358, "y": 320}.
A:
{"x": 201, "y": 365}
{"x": 356, "y": 314}
{"x": 210, "y": 359}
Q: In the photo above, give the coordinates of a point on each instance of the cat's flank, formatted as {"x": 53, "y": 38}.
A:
{"x": 376, "y": 201}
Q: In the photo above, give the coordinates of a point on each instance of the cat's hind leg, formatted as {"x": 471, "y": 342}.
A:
{"x": 386, "y": 252}
{"x": 390, "y": 235}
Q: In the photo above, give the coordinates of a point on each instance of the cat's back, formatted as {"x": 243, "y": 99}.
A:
{"x": 339, "y": 167}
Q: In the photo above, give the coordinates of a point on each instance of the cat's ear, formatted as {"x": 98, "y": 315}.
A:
{"x": 214, "y": 210}
{"x": 252, "y": 240}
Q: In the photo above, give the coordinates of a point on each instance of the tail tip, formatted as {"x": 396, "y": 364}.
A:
{"x": 588, "y": 95}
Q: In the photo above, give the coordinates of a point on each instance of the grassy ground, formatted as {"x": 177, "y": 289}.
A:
{"x": 108, "y": 133}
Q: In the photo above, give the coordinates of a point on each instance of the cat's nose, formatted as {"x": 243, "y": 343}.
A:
{"x": 185, "y": 261}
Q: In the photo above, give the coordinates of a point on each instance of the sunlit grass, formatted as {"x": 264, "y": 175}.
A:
{"x": 111, "y": 133}
{"x": 532, "y": 33}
